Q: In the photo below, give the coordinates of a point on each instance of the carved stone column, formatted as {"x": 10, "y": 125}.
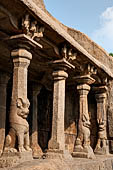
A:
{"x": 3, "y": 94}
{"x": 102, "y": 143}
{"x": 82, "y": 145}
{"x": 37, "y": 152}
{"x": 57, "y": 142}
{"x": 19, "y": 108}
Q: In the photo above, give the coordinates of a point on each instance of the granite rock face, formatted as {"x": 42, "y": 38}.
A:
{"x": 92, "y": 48}
{"x": 39, "y": 3}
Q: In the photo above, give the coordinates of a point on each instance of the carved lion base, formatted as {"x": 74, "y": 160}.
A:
{"x": 102, "y": 147}
{"x": 102, "y": 151}
{"x": 85, "y": 152}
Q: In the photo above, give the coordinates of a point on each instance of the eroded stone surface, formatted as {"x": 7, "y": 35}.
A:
{"x": 100, "y": 163}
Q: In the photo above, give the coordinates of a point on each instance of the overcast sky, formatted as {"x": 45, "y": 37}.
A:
{"x": 93, "y": 17}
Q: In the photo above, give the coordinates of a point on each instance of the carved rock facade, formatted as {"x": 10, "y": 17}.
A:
{"x": 55, "y": 96}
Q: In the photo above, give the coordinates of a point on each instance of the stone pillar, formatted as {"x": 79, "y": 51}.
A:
{"x": 37, "y": 152}
{"x": 57, "y": 142}
{"x": 19, "y": 108}
{"x": 82, "y": 145}
{"x": 21, "y": 60}
{"x": 3, "y": 94}
{"x": 102, "y": 143}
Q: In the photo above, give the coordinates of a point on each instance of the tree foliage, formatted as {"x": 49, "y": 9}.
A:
{"x": 111, "y": 54}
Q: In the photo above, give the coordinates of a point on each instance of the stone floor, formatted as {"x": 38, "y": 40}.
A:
{"x": 99, "y": 163}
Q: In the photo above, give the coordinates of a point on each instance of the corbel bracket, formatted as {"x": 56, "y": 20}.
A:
{"x": 31, "y": 28}
{"x": 68, "y": 54}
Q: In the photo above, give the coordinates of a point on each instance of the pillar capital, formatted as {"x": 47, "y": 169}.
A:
{"x": 100, "y": 93}
{"x": 60, "y": 75}
{"x": 61, "y": 64}
{"x": 21, "y": 57}
{"x": 83, "y": 89}
{"x": 100, "y": 89}
{"x": 21, "y": 53}
{"x": 60, "y": 68}
{"x": 85, "y": 79}
{"x": 22, "y": 41}
{"x": 100, "y": 97}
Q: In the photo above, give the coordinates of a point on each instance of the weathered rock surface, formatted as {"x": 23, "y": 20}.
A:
{"x": 91, "y": 47}
{"x": 100, "y": 163}
{"x": 40, "y": 3}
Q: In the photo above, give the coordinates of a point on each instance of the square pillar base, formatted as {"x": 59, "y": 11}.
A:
{"x": 57, "y": 154}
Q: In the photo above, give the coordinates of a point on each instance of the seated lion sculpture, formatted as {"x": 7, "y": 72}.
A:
{"x": 102, "y": 138}
{"x": 19, "y": 128}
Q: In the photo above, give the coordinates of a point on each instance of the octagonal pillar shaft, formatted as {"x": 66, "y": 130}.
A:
{"x": 21, "y": 61}
{"x": 56, "y": 146}
{"x": 58, "y": 139}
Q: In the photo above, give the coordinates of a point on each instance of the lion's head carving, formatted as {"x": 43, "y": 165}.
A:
{"x": 23, "y": 107}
